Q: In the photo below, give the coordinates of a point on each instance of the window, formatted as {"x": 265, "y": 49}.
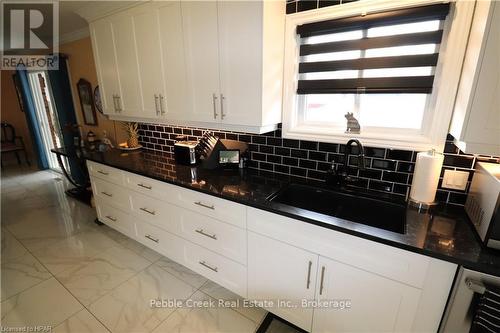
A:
{"x": 384, "y": 67}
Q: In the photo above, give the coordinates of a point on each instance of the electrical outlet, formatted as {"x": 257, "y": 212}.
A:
{"x": 455, "y": 180}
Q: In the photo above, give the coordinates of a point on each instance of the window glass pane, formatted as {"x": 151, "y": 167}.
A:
{"x": 332, "y": 56}
{"x": 329, "y": 75}
{"x": 392, "y": 72}
{"x": 329, "y": 108}
{"x": 392, "y": 110}
{"x": 399, "y": 29}
{"x": 401, "y": 50}
{"x": 357, "y": 34}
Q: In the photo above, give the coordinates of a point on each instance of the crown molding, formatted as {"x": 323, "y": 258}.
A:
{"x": 74, "y": 35}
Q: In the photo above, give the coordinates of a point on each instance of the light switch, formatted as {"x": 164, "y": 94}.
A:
{"x": 455, "y": 180}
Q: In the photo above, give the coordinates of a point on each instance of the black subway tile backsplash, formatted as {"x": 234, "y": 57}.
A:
{"x": 387, "y": 170}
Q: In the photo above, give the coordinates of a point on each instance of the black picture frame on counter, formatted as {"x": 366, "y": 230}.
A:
{"x": 87, "y": 102}
{"x": 229, "y": 158}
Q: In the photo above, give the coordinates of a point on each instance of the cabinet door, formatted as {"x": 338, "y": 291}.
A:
{"x": 377, "y": 304}
{"x": 147, "y": 41}
{"x": 484, "y": 119}
{"x": 104, "y": 55}
{"x": 127, "y": 65}
{"x": 240, "y": 45}
{"x": 277, "y": 271}
{"x": 176, "y": 102}
{"x": 199, "y": 19}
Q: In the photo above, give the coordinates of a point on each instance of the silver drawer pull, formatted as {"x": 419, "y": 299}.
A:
{"x": 107, "y": 194}
{"x": 152, "y": 212}
{"x": 201, "y": 232}
{"x": 156, "y": 240}
{"x": 145, "y": 186}
{"x": 111, "y": 218}
{"x": 103, "y": 173}
{"x": 309, "y": 274}
{"x": 322, "y": 280}
{"x": 199, "y": 203}
{"x": 203, "y": 263}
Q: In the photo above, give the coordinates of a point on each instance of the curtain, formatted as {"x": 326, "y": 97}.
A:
{"x": 32, "y": 120}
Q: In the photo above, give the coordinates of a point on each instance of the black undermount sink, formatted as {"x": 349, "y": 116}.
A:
{"x": 347, "y": 205}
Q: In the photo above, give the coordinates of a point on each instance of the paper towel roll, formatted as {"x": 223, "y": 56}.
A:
{"x": 426, "y": 177}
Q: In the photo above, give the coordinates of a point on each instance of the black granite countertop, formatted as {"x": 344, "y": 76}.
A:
{"x": 446, "y": 233}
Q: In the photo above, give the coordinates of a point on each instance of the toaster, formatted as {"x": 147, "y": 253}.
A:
{"x": 185, "y": 152}
{"x": 483, "y": 200}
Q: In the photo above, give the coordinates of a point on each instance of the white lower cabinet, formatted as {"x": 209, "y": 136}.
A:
{"x": 321, "y": 280}
{"x": 360, "y": 301}
{"x": 279, "y": 272}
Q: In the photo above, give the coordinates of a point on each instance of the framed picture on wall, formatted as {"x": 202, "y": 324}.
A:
{"x": 87, "y": 102}
{"x": 17, "y": 85}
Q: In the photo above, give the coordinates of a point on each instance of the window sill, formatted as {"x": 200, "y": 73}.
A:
{"x": 394, "y": 141}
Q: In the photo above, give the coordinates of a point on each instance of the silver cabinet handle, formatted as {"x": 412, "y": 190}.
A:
{"x": 156, "y": 105}
{"x": 114, "y": 101}
{"x": 214, "y": 101}
{"x": 309, "y": 275}
{"x": 145, "y": 186}
{"x": 322, "y": 280}
{"x": 203, "y": 263}
{"x": 118, "y": 103}
{"x": 201, "y": 232}
{"x": 103, "y": 173}
{"x": 111, "y": 218}
{"x": 107, "y": 194}
{"x": 199, "y": 203}
{"x": 152, "y": 212}
{"x": 156, "y": 240}
{"x": 161, "y": 104}
{"x": 222, "y": 99}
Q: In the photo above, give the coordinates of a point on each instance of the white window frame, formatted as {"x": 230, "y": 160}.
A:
{"x": 437, "y": 117}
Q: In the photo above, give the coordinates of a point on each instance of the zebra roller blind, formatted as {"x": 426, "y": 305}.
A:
{"x": 387, "y": 52}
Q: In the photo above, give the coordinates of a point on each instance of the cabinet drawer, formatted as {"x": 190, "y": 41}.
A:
{"x": 161, "y": 241}
{"x": 149, "y": 186}
{"x": 217, "y": 236}
{"x": 110, "y": 194}
{"x": 388, "y": 261}
{"x": 209, "y": 205}
{"x": 156, "y": 212}
{"x": 217, "y": 268}
{"x": 116, "y": 219}
{"x": 105, "y": 172}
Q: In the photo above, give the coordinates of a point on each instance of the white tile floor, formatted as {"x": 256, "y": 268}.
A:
{"x": 60, "y": 269}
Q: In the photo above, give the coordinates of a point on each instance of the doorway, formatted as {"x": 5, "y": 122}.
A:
{"x": 46, "y": 116}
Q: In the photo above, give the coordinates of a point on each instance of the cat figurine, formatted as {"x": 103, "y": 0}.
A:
{"x": 352, "y": 124}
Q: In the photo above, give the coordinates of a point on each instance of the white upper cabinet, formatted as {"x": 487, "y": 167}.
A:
{"x": 128, "y": 101}
{"x": 151, "y": 82}
{"x": 169, "y": 20}
{"x": 376, "y": 304}
{"x": 215, "y": 64}
{"x": 199, "y": 20}
{"x": 104, "y": 55}
{"x": 476, "y": 119}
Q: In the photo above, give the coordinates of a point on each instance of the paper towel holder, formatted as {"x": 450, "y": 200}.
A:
{"x": 423, "y": 207}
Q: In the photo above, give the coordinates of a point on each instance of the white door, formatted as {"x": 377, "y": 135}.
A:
{"x": 104, "y": 55}
{"x": 240, "y": 47}
{"x": 199, "y": 20}
{"x": 377, "y": 304}
{"x": 176, "y": 102}
{"x": 278, "y": 271}
{"x": 147, "y": 41}
{"x": 126, "y": 60}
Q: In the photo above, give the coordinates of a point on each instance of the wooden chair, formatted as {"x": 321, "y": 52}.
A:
{"x": 10, "y": 143}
